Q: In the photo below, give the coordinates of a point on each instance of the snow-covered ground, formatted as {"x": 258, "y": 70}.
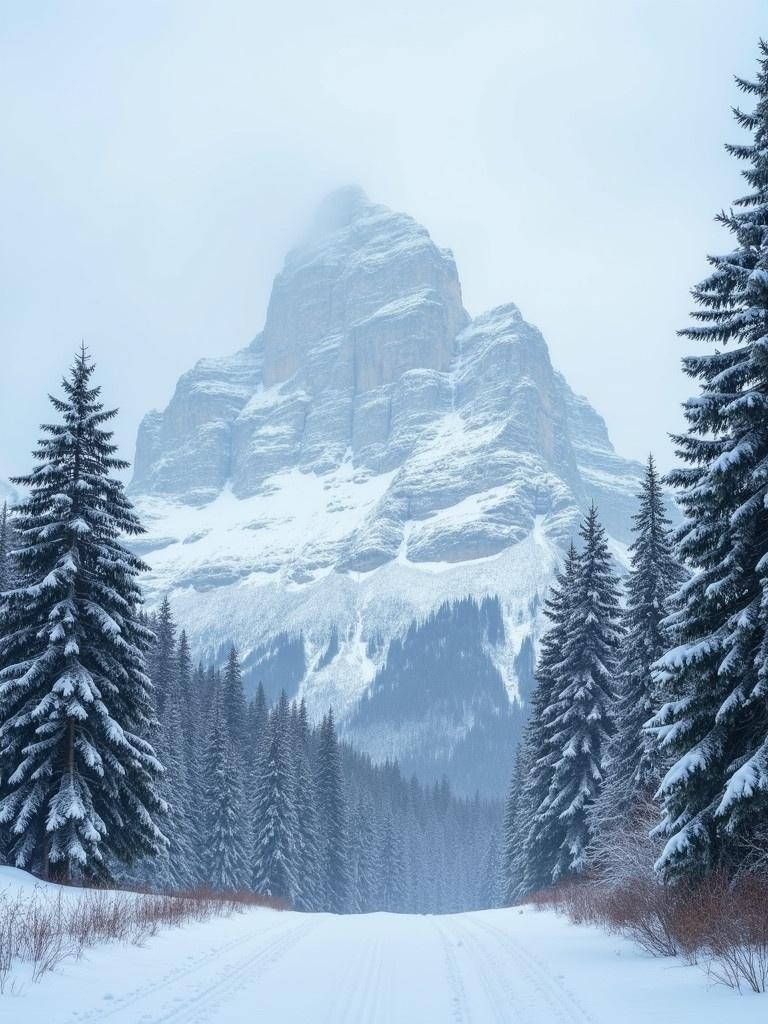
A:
{"x": 516, "y": 966}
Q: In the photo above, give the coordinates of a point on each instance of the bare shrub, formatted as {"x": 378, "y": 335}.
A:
{"x": 575, "y": 899}
{"x": 638, "y": 910}
{"x": 44, "y": 927}
{"x": 645, "y": 912}
{"x": 45, "y": 942}
{"x": 624, "y": 851}
{"x": 737, "y": 940}
{"x": 718, "y": 922}
{"x": 10, "y": 937}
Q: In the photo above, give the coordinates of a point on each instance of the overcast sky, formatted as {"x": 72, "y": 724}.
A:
{"x": 158, "y": 159}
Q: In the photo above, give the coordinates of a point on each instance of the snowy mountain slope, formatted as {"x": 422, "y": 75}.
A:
{"x": 373, "y": 453}
{"x": 498, "y": 965}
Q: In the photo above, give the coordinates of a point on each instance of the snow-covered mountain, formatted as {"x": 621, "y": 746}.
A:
{"x": 372, "y": 455}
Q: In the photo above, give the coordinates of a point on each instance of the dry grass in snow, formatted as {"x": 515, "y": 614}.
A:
{"x": 42, "y": 925}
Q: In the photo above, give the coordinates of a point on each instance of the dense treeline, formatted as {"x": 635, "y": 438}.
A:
{"x": 646, "y": 753}
{"x": 587, "y": 764}
{"x": 120, "y": 759}
{"x": 260, "y": 799}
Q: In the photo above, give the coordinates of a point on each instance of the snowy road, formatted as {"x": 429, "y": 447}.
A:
{"x": 494, "y": 967}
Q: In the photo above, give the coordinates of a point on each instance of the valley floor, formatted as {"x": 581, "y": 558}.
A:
{"x": 520, "y": 967}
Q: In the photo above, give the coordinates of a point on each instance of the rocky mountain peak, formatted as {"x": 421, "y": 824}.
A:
{"x": 370, "y": 290}
{"x": 371, "y": 455}
{"x": 338, "y": 210}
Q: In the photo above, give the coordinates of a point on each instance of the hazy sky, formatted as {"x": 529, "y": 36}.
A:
{"x": 158, "y": 158}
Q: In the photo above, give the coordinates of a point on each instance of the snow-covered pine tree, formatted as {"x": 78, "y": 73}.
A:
{"x": 334, "y": 866}
{"x": 235, "y": 707}
{"x": 489, "y": 889}
{"x": 189, "y": 703}
{"x": 179, "y": 867}
{"x": 4, "y": 546}
{"x": 224, "y": 831}
{"x": 7, "y": 544}
{"x": 513, "y": 827}
{"x": 7, "y": 580}
{"x": 206, "y": 681}
{"x": 392, "y": 863}
{"x": 356, "y": 899}
{"x": 582, "y": 698}
{"x": 307, "y": 834}
{"x": 412, "y": 850}
{"x": 78, "y": 776}
{"x": 303, "y": 726}
{"x": 425, "y": 857}
{"x": 275, "y": 821}
{"x": 162, "y": 657}
{"x": 633, "y": 767}
{"x": 258, "y": 718}
{"x": 656, "y": 574}
{"x": 714, "y": 723}
{"x": 532, "y": 837}
{"x": 366, "y": 867}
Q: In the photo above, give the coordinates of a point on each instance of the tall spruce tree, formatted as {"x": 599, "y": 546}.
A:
{"x": 532, "y": 837}
{"x": 162, "y": 657}
{"x": 714, "y": 724}
{"x": 307, "y": 852}
{"x": 235, "y": 707}
{"x": 655, "y": 576}
{"x": 78, "y": 776}
{"x": 224, "y": 832}
{"x": 490, "y": 889}
{"x": 179, "y": 867}
{"x": 392, "y": 862}
{"x": 190, "y": 710}
{"x": 7, "y": 544}
{"x": 512, "y": 825}
{"x": 582, "y": 698}
{"x": 7, "y": 581}
{"x": 258, "y": 718}
{"x": 633, "y": 760}
{"x": 365, "y": 868}
{"x": 276, "y": 848}
{"x": 334, "y": 865}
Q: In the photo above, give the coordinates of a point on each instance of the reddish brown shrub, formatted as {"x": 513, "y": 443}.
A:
{"x": 46, "y": 926}
{"x": 722, "y": 923}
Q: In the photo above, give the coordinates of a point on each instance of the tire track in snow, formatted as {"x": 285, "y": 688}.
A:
{"x": 360, "y": 999}
{"x": 459, "y": 1001}
{"x": 501, "y": 999}
{"x": 203, "y": 1003}
{"x": 170, "y": 978}
{"x": 229, "y": 974}
{"x": 561, "y": 1002}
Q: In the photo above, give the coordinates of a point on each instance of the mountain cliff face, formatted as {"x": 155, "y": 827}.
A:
{"x": 372, "y": 456}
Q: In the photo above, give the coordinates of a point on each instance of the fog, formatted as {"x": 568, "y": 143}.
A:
{"x": 159, "y": 158}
